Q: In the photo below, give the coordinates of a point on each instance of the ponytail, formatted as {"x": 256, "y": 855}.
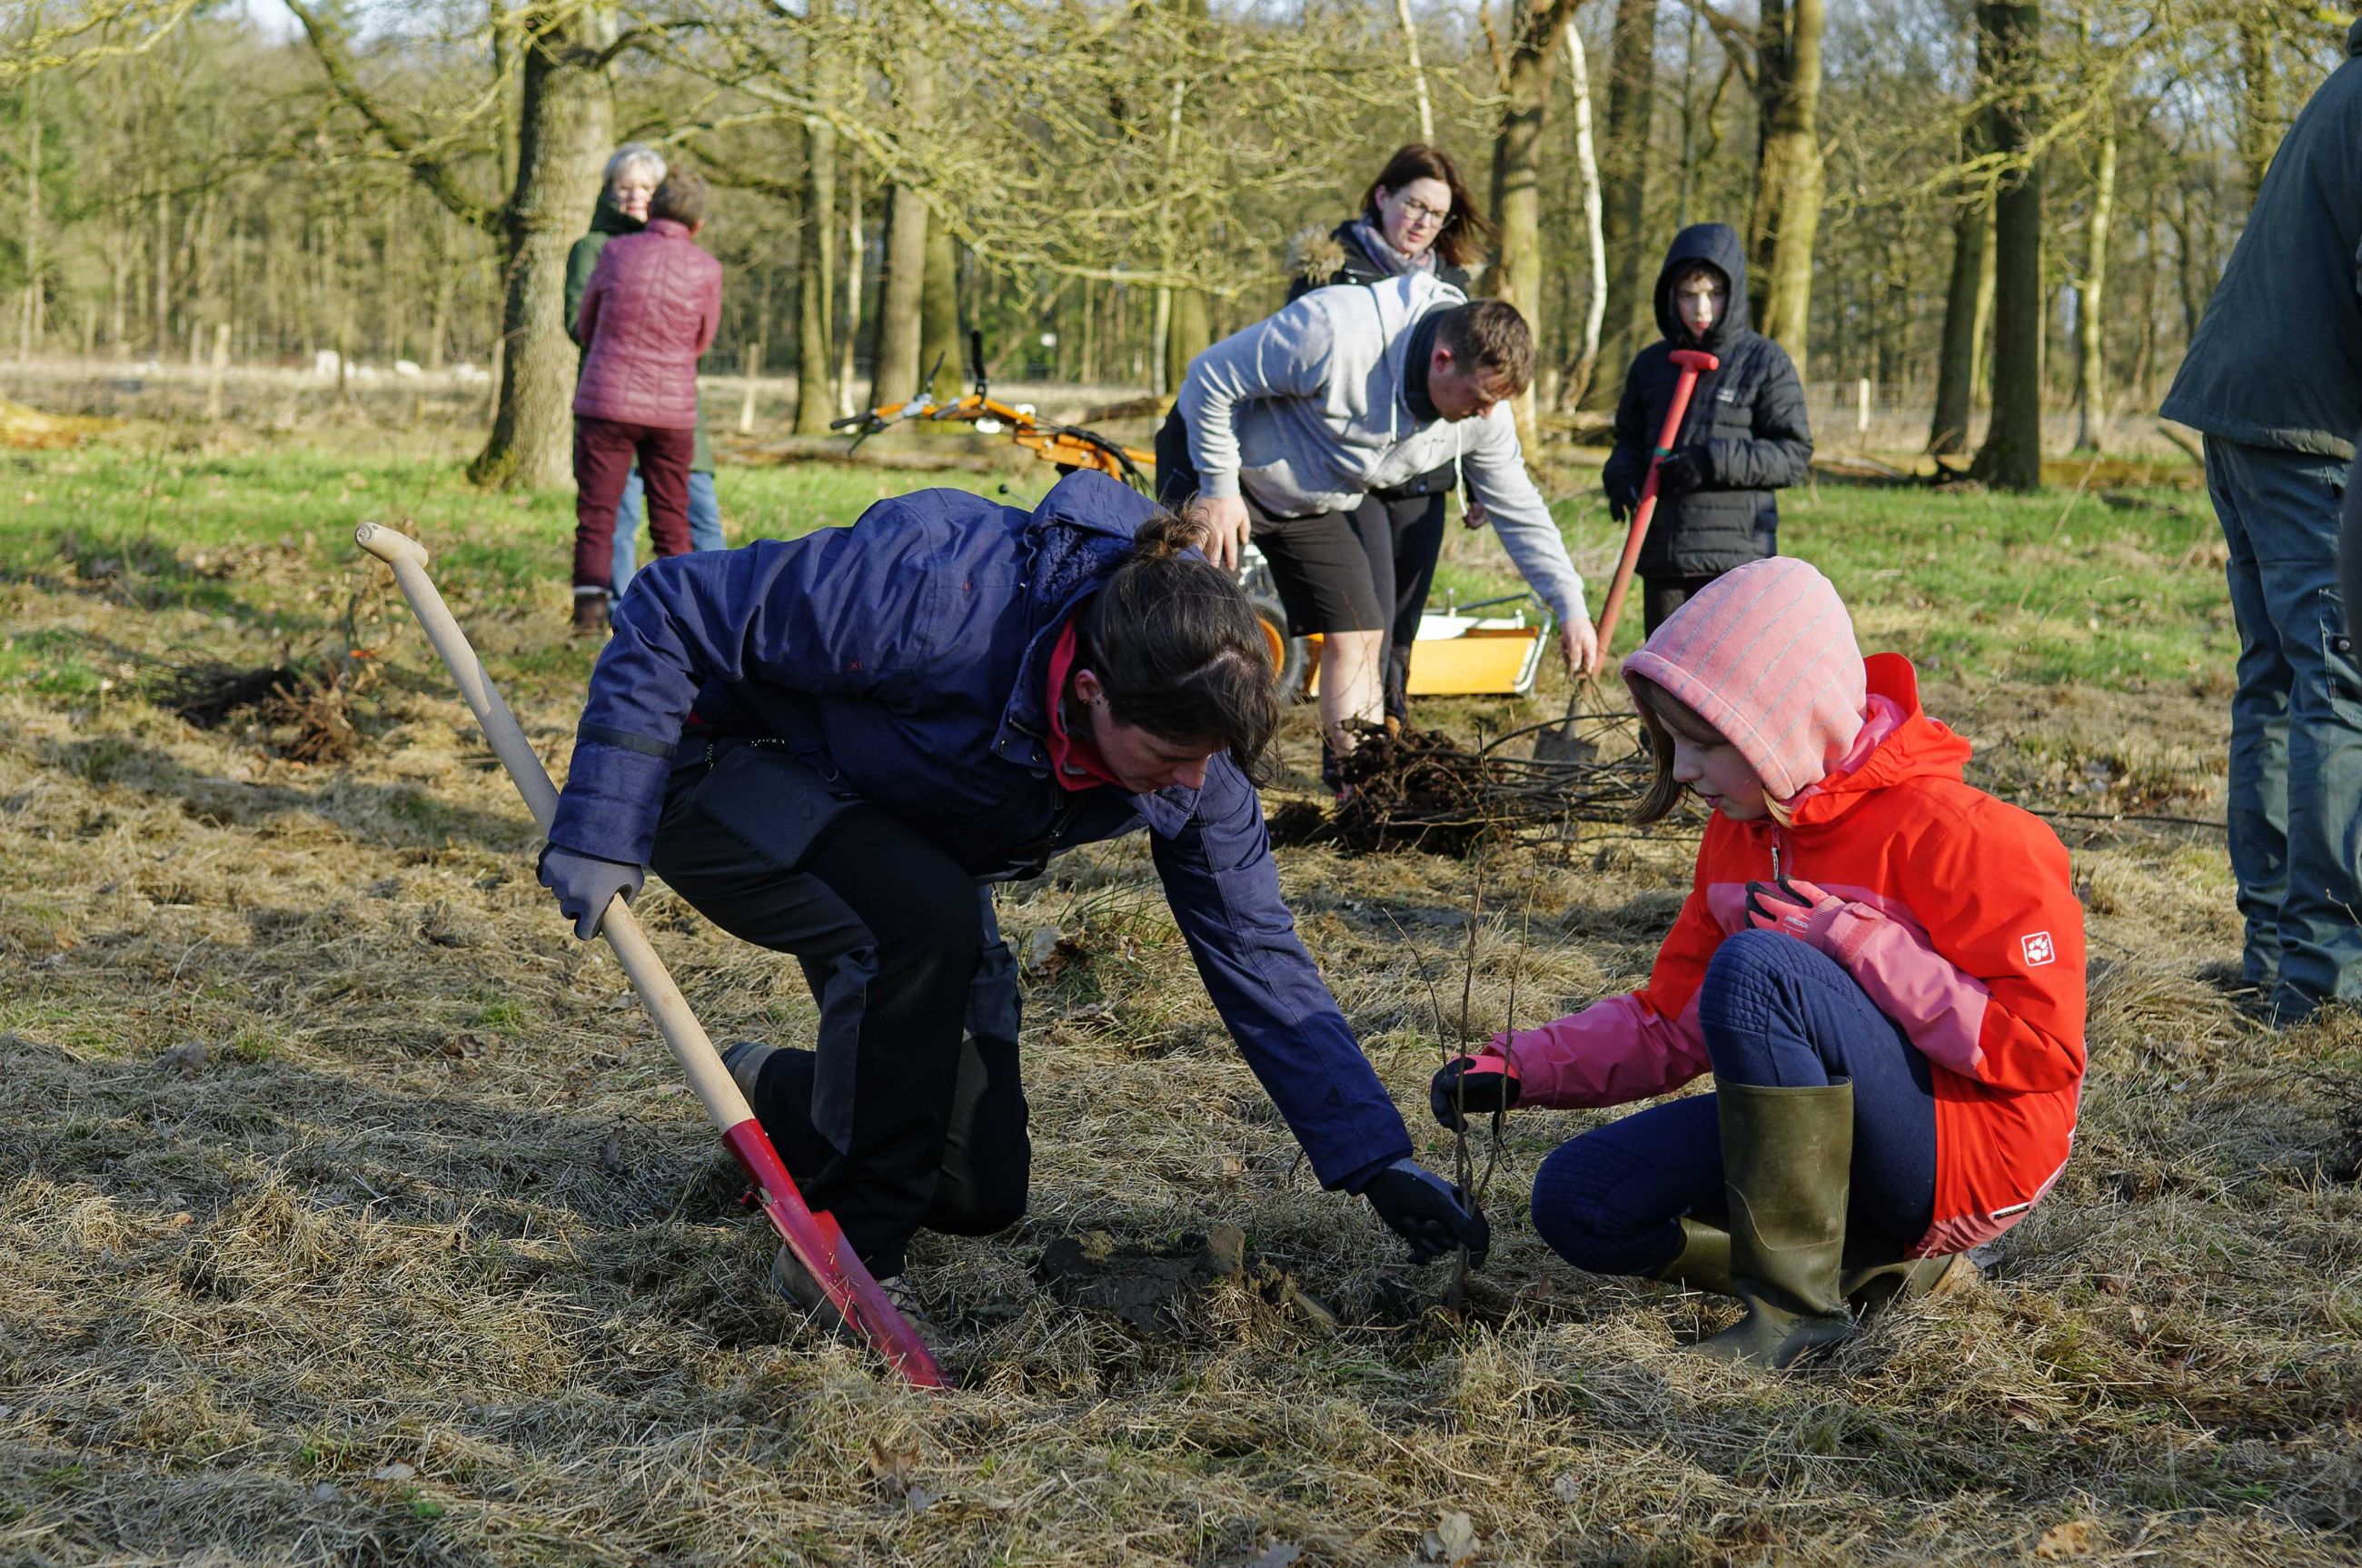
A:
{"x": 1178, "y": 647}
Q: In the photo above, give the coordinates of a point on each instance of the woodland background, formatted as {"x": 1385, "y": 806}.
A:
{"x": 2019, "y": 208}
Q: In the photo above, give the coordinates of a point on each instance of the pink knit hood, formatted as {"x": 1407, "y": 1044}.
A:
{"x": 1766, "y": 654}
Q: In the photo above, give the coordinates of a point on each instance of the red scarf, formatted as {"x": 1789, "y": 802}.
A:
{"x": 1074, "y": 760}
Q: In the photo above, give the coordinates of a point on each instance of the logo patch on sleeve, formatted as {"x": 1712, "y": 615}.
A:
{"x": 2039, "y": 949}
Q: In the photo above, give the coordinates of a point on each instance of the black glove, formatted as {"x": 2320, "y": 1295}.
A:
{"x": 1621, "y": 500}
{"x": 1480, "y": 1085}
{"x": 584, "y": 883}
{"x": 1680, "y": 472}
{"x": 1428, "y": 1213}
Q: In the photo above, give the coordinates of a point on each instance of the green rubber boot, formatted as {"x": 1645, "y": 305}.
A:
{"x": 1704, "y": 1262}
{"x": 1870, "y": 1291}
{"x": 1787, "y": 1160}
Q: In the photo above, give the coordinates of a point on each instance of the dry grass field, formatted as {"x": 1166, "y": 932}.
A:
{"x": 351, "y": 1212}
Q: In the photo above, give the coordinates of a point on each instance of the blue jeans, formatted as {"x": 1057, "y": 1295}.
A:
{"x": 705, "y": 524}
{"x": 1775, "y": 1013}
{"x": 2295, "y": 814}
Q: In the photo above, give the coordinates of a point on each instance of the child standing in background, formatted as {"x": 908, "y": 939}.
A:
{"x": 1744, "y": 434}
{"x": 649, "y": 314}
{"x": 1882, "y": 967}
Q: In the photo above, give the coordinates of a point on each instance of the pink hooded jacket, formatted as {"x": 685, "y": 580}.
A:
{"x": 649, "y": 315}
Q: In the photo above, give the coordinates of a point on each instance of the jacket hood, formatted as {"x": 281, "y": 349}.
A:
{"x": 606, "y": 218}
{"x": 1912, "y": 746}
{"x": 1717, "y": 245}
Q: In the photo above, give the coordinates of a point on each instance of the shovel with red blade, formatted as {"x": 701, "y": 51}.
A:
{"x": 815, "y": 1238}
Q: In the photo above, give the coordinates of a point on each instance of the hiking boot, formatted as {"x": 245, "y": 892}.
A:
{"x": 590, "y": 612}
{"x": 793, "y": 1283}
{"x": 1787, "y": 1159}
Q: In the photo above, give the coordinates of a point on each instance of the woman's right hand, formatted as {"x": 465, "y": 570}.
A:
{"x": 1226, "y": 520}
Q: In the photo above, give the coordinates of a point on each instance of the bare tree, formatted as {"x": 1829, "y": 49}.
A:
{"x": 565, "y": 122}
{"x": 816, "y": 278}
{"x": 2011, "y": 457}
{"x": 1586, "y": 173}
{"x": 1516, "y": 276}
{"x": 1788, "y": 174}
{"x": 1624, "y": 175}
{"x": 895, "y": 371}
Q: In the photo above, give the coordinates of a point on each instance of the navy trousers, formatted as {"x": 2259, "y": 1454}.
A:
{"x": 1775, "y": 1013}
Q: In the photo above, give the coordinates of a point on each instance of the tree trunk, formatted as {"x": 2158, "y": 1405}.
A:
{"x": 894, "y": 378}
{"x": 2011, "y": 457}
{"x": 2259, "y": 107}
{"x": 1624, "y": 177}
{"x": 564, "y": 123}
{"x": 1948, "y": 433}
{"x": 1418, "y": 70}
{"x": 857, "y": 257}
{"x": 1586, "y": 171}
{"x": 2091, "y": 383}
{"x": 940, "y": 358}
{"x": 816, "y": 282}
{"x": 1788, "y": 174}
{"x": 1188, "y": 331}
{"x": 1516, "y": 276}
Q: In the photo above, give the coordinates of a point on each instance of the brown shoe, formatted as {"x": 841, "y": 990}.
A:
{"x": 590, "y": 612}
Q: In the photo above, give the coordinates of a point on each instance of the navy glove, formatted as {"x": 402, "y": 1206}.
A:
{"x": 1680, "y": 472}
{"x": 1480, "y": 1085}
{"x": 1428, "y": 1213}
{"x": 584, "y": 883}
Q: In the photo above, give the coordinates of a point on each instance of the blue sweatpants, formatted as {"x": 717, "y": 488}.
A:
{"x": 704, "y": 525}
{"x": 1774, "y": 1012}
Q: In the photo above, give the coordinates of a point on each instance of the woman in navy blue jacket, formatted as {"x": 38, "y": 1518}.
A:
{"x": 832, "y": 746}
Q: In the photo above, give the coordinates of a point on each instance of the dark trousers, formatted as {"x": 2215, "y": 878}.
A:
{"x": 909, "y": 1113}
{"x": 1777, "y": 1013}
{"x": 1401, "y": 535}
{"x": 605, "y": 451}
{"x": 1660, "y": 596}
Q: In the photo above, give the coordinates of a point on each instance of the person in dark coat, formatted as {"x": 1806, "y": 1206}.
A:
{"x": 2274, "y": 380}
{"x": 832, "y": 746}
{"x": 1416, "y": 216}
{"x": 632, "y": 177}
{"x": 1744, "y": 436}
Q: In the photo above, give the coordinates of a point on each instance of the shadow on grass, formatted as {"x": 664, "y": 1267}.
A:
{"x": 388, "y": 815}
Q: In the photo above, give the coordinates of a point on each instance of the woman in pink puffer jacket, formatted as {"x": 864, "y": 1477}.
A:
{"x": 649, "y": 315}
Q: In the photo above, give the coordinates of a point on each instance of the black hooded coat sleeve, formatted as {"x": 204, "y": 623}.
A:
{"x": 1780, "y": 448}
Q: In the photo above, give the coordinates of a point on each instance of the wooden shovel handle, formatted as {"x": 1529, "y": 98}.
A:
{"x": 814, "y": 1239}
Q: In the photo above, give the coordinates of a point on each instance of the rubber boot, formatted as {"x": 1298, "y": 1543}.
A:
{"x": 1869, "y": 1291}
{"x": 1787, "y": 1159}
{"x": 1704, "y": 1262}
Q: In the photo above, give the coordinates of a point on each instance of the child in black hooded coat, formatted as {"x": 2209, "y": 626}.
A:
{"x": 1744, "y": 434}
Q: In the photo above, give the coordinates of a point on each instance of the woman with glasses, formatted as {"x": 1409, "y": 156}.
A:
{"x": 1417, "y": 216}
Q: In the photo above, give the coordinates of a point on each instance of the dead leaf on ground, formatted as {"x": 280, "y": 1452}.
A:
{"x": 1278, "y": 1554}
{"x": 2077, "y": 1538}
{"x": 1452, "y": 1543}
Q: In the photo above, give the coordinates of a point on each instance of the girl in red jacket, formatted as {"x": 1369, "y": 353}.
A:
{"x": 1882, "y": 967}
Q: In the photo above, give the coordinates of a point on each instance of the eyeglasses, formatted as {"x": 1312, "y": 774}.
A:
{"x": 1415, "y": 211}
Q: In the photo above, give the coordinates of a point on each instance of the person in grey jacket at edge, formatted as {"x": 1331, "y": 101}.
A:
{"x": 1281, "y": 429}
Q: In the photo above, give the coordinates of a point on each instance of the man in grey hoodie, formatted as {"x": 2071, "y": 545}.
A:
{"x": 2274, "y": 379}
{"x": 1282, "y": 428}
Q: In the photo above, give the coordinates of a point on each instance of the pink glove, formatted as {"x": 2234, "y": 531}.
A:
{"x": 1792, "y": 907}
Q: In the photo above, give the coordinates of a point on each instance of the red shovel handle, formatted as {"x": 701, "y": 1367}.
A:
{"x": 1693, "y": 363}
